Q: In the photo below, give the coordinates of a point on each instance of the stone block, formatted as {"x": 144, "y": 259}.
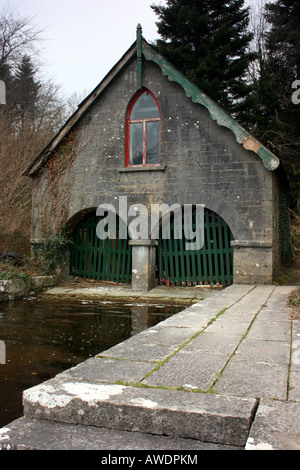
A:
{"x": 40, "y": 283}
{"x": 183, "y": 371}
{"x": 253, "y": 265}
{"x": 143, "y": 264}
{"x": 13, "y": 289}
{"x": 101, "y": 370}
{"x": 254, "y": 379}
{"x": 276, "y": 426}
{"x": 188, "y": 415}
{"x": 38, "y": 434}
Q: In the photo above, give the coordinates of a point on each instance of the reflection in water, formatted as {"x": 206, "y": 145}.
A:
{"x": 43, "y": 338}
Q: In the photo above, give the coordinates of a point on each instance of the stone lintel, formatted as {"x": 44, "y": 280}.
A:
{"x": 251, "y": 244}
{"x": 143, "y": 242}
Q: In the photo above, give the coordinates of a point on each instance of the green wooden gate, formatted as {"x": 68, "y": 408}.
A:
{"x": 94, "y": 258}
{"x": 213, "y": 264}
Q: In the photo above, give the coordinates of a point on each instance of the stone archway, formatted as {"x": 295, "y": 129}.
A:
{"x": 107, "y": 259}
{"x": 212, "y": 264}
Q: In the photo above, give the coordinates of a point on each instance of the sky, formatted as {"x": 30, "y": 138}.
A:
{"x": 83, "y": 39}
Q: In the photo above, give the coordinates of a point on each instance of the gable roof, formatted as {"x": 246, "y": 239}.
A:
{"x": 144, "y": 51}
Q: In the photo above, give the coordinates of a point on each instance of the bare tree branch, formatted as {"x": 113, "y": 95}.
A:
{"x": 17, "y": 37}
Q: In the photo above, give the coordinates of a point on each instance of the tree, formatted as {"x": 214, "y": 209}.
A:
{"x": 283, "y": 39}
{"x": 17, "y": 37}
{"x": 26, "y": 92}
{"x": 209, "y": 41}
{"x": 279, "y": 68}
{"x": 33, "y": 113}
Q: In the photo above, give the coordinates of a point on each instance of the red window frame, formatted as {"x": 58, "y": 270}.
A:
{"x": 144, "y": 122}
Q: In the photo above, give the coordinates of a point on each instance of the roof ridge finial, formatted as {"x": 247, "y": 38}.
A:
{"x": 139, "y": 46}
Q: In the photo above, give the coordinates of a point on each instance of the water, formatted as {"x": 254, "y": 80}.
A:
{"x": 42, "y": 338}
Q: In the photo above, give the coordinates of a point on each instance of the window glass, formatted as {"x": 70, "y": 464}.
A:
{"x": 143, "y": 131}
{"x": 152, "y": 139}
{"x": 145, "y": 107}
{"x": 136, "y": 143}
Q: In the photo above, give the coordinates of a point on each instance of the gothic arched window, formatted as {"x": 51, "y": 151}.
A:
{"x": 143, "y": 130}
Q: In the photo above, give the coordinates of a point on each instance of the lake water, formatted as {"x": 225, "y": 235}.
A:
{"x": 42, "y": 338}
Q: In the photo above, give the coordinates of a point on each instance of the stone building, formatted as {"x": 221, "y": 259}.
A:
{"x": 148, "y": 136}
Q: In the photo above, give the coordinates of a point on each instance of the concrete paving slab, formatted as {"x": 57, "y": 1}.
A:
{"x": 188, "y": 415}
{"x": 276, "y": 427}
{"x": 223, "y": 326}
{"x": 295, "y": 359}
{"x": 214, "y": 343}
{"x": 195, "y": 320}
{"x": 272, "y": 331}
{"x": 37, "y": 434}
{"x": 294, "y": 376}
{"x": 254, "y": 350}
{"x": 294, "y": 385}
{"x": 183, "y": 370}
{"x": 254, "y": 379}
{"x": 137, "y": 351}
{"x": 239, "y": 315}
{"x": 269, "y": 314}
{"x": 101, "y": 370}
{"x": 166, "y": 335}
{"x": 179, "y": 292}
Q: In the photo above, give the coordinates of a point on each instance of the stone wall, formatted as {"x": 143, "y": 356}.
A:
{"x": 14, "y": 289}
{"x": 201, "y": 163}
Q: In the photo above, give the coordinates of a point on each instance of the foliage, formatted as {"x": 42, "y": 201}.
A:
{"x": 11, "y": 272}
{"x": 284, "y": 227}
{"x": 294, "y": 298}
{"x": 54, "y": 250}
{"x": 275, "y": 118}
{"x": 294, "y": 302}
{"x": 295, "y": 234}
{"x": 16, "y": 241}
{"x": 208, "y": 41}
{"x": 248, "y": 68}
{"x": 32, "y": 115}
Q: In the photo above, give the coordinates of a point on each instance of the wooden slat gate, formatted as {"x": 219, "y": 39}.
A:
{"x": 93, "y": 258}
{"x": 212, "y": 264}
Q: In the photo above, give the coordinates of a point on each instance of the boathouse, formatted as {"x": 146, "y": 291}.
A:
{"x": 148, "y": 137}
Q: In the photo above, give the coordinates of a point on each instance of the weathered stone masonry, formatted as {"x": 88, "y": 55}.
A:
{"x": 201, "y": 162}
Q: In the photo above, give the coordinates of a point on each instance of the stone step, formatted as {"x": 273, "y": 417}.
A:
{"x": 40, "y": 434}
{"x": 189, "y": 415}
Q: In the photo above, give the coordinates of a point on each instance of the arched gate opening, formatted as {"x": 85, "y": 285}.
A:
{"x": 211, "y": 265}
{"x": 106, "y": 259}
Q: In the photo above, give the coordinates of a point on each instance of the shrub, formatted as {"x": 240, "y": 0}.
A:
{"x": 294, "y": 298}
{"x": 54, "y": 250}
{"x": 10, "y": 272}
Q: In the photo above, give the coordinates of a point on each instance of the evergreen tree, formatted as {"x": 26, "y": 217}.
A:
{"x": 283, "y": 40}
{"x": 26, "y": 87}
{"x": 280, "y": 129}
{"x": 208, "y": 41}
{"x": 32, "y": 115}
